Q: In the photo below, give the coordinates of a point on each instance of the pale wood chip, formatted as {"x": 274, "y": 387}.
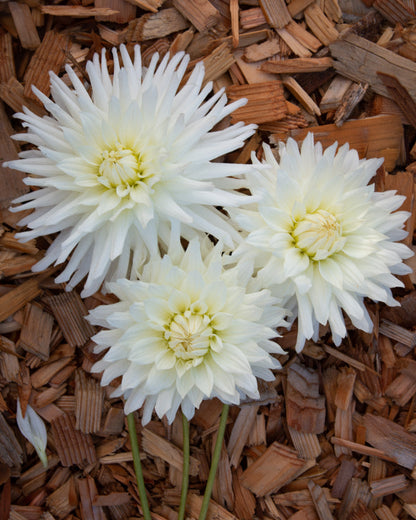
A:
{"x": 182, "y": 40}
{"x": 113, "y": 423}
{"x": 357, "y": 493}
{"x": 295, "y": 7}
{"x": 9, "y": 363}
{"x": 202, "y": 15}
{"x": 333, "y": 10}
{"x": 240, "y": 432}
{"x": 378, "y": 136}
{"x": 394, "y": 10}
{"x": 12, "y": 93}
{"x": 89, "y": 398}
{"x": 391, "y": 438}
{"x": 234, "y": 13}
{"x": 77, "y": 11}
{"x": 345, "y": 388}
{"x": 248, "y": 38}
{"x": 222, "y": 491}
{"x": 9, "y": 241}
{"x": 250, "y": 146}
{"x": 278, "y": 466}
{"x": 397, "y": 333}
{"x": 301, "y": 95}
{"x": 306, "y": 444}
{"x": 46, "y": 372}
{"x": 376, "y": 471}
{"x": 158, "y": 25}
{"x": 344, "y": 475}
{"x": 115, "y": 37}
{"x": 12, "y": 264}
{"x": 265, "y": 102}
{"x": 162, "y": 448}
{"x": 36, "y": 333}
{"x": 257, "y": 435}
{"x": 87, "y": 492}
{"x": 334, "y": 94}
{"x": 39, "y": 469}
{"x": 72, "y": 446}
{"x": 320, "y": 501}
{"x": 361, "y": 448}
{"x": 69, "y": 311}
{"x": 48, "y": 396}
{"x": 385, "y": 513}
{"x": 208, "y": 414}
{"x": 217, "y": 62}
{"x": 293, "y": 43}
{"x": 25, "y": 26}
{"x": 388, "y": 485}
{"x": 18, "y": 297}
{"x": 244, "y": 500}
{"x": 343, "y": 429}
{"x": 215, "y": 511}
{"x": 305, "y": 407}
{"x": 295, "y": 65}
{"x": 352, "y": 97}
{"x": 64, "y": 499}
{"x": 251, "y": 18}
{"x": 403, "y": 387}
{"x": 319, "y": 24}
{"x": 301, "y": 498}
{"x": 49, "y": 56}
{"x": 275, "y": 12}
{"x": 361, "y": 60}
{"x": 304, "y": 37}
{"x": 261, "y": 51}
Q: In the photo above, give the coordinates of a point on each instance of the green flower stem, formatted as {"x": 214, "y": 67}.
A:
{"x": 138, "y": 466}
{"x": 214, "y": 463}
{"x": 185, "y": 470}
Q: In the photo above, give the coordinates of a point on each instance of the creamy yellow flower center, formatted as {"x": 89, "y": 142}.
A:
{"x": 120, "y": 167}
{"x": 318, "y": 234}
{"x": 189, "y": 336}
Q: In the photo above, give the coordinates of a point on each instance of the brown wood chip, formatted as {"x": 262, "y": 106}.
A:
{"x": 50, "y": 56}
{"x": 69, "y": 311}
{"x": 72, "y": 446}
{"x": 265, "y": 102}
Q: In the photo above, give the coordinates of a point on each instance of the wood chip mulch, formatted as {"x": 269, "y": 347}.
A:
{"x": 334, "y": 437}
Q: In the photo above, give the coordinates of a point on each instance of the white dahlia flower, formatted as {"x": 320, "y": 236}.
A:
{"x": 119, "y": 169}
{"x": 321, "y": 236}
{"x": 188, "y": 330}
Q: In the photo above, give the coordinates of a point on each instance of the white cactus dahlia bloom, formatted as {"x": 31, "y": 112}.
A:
{"x": 119, "y": 169}
{"x": 188, "y": 330}
{"x": 321, "y": 236}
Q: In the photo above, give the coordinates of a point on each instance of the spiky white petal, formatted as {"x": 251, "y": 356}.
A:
{"x": 188, "y": 330}
{"x": 117, "y": 170}
{"x": 33, "y": 428}
{"x": 320, "y": 236}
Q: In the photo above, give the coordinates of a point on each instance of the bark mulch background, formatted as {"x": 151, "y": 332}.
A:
{"x": 335, "y": 435}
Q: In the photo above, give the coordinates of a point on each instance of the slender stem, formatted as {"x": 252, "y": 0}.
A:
{"x": 138, "y": 466}
{"x": 214, "y": 463}
{"x": 185, "y": 471}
